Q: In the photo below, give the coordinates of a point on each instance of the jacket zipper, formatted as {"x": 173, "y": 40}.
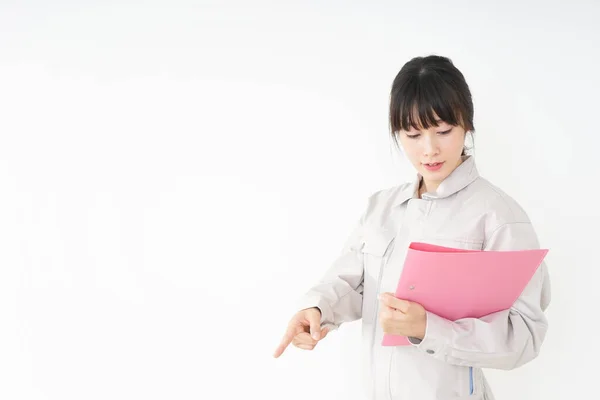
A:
{"x": 383, "y": 262}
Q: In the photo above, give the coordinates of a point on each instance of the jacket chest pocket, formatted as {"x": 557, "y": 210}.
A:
{"x": 376, "y": 247}
{"x": 454, "y": 242}
{"x": 377, "y": 244}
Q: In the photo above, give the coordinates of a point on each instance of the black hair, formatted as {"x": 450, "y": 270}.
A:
{"x": 428, "y": 85}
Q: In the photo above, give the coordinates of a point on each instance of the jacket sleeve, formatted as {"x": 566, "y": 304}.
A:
{"x": 503, "y": 340}
{"x": 338, "y": 294}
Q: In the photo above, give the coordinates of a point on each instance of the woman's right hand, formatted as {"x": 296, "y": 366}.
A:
{"x": 304, "y": 331}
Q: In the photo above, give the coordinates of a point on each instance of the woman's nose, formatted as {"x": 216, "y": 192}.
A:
{"x": 430, "y": 145}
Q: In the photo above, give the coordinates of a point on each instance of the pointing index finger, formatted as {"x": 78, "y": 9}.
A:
{"x": 285, "y": 342}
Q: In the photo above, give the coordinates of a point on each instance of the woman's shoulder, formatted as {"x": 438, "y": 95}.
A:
{"x": 381, "y": 201}
{"x": 498, "y": 206}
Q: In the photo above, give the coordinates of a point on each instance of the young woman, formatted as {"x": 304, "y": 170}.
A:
{"x": 448, "y": 204}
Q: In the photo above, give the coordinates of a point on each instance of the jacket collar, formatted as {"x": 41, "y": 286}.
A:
{"x": 461, "y": 177}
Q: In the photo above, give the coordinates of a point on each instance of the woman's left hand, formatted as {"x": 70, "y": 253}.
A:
{"x": 402, "y": 317}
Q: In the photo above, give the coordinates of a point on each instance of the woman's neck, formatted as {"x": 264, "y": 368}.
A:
{"x": 425, "y": 187}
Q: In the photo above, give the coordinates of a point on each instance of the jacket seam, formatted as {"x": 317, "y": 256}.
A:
{"x": 495, "y": 230}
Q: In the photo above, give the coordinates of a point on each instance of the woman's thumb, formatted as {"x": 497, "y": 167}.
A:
{"x": 315, "y": 327}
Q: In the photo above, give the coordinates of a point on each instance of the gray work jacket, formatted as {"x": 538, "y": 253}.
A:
{"x": 467, "y": 212}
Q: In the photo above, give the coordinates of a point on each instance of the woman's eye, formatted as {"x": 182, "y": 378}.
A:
{"x": 412, "y": 136}
{"x": 445, "y": 132}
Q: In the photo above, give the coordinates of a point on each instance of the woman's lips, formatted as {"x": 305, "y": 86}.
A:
{"x": 434, "y": 166}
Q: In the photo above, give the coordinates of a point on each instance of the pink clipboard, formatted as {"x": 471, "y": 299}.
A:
{"x": 456, "y": 283}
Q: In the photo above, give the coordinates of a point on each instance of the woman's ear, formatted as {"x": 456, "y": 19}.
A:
{"x": 465, "y": 147}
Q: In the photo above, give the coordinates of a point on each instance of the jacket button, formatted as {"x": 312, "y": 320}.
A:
{"x": 430, "y": 351}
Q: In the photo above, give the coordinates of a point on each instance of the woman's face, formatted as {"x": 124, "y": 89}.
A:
{"x": 434, "y": 152}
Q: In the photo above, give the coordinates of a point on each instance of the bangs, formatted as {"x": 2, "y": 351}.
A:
{"x": 418, "y": 100}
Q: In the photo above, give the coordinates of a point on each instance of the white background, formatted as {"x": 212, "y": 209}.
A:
{"x": 174, "y": 175}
